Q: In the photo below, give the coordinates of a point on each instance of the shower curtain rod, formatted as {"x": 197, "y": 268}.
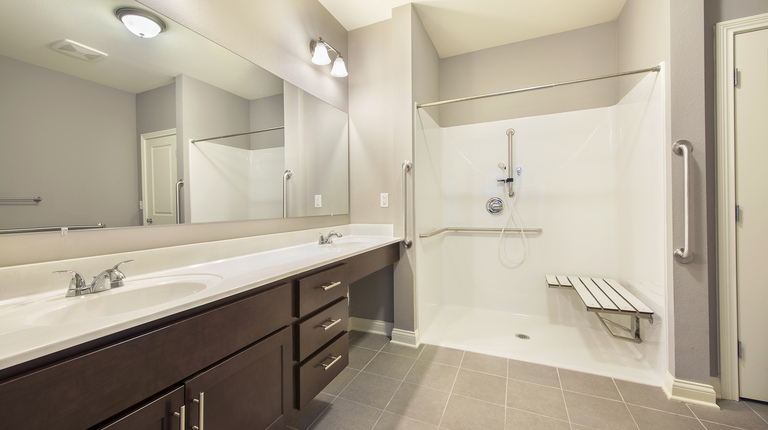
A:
{"x": 540, "y": 87}
{"x": 238, "y": 134}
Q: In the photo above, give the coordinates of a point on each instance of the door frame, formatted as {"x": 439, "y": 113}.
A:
{"x": 725, "y": 33}
{"x": 143, "y": 138}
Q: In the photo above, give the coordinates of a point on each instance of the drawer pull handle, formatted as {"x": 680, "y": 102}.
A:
{"x": 202, "y": 411}
{"x": 333, "y": 322}
{"x": 331, "y": 285}
{"x": 328, "y": 366}
{"x": 182, "y": 417}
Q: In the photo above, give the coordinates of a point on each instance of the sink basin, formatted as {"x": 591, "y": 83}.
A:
{"x": 135, "y": 295}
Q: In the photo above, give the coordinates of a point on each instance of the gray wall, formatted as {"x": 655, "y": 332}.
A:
{"x": 156, "y": 110}
{"x": 267, "y": 112}
{"x": 370, "y": 122}
{"x": 53, "y": 125}
{"x": 274, "y": 35}
{"x": 581, "y": 53}
{"x": 415, "y": 73}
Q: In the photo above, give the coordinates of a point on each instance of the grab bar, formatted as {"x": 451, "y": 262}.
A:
{"x": 479, "y": 230}
{"x": 407, "y": 242}
{"x": 684, "y": 148}
{"x": 510, "y": 179}
{"x": 286, "y": 176}
{"x": 43, "y": 229}
{"x": 179, "y": 184}
{"x": 37, "y": 199}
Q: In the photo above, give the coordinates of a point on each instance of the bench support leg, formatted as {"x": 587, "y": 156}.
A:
{"x": 633, "y": 330}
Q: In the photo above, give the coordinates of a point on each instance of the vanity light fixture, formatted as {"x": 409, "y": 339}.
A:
{"x": 140, "y": 22}
{"x": 319, "y": 49}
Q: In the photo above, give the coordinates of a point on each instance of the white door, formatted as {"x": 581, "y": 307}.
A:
{"x": 751, "y": 148}
{"x": 158, "y": 177}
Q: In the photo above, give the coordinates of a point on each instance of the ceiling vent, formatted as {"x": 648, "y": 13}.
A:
{"x": 77, "y": 50}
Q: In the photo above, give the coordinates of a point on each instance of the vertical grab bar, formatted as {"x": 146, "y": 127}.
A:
{"x": 510, "y": 178}
{"x": 407, "y": 242}
{"x": 179, "y": 184}
{"x": 286, "y": 176}
{"x": 684, "y": 148}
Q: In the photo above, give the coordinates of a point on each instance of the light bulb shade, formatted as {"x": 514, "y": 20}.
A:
{"x": 339, "y": 69}
{"x": 140, "y": 23}
{"x": 320, "y": 55}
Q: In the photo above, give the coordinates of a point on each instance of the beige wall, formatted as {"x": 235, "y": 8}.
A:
{"x": 54, "y": 126}
{"x": 581, "y": 53}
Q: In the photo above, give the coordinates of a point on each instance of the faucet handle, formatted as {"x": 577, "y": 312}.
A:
{"x": 116, "y": 276}
{"x": 77, "y": 284}
{"x": 119, "y": 264}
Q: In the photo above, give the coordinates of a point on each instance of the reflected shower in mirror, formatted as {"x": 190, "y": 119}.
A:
{"x": 107, "y": 138}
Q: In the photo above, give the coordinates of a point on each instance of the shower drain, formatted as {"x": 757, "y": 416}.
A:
{"x": 522, "y": 336}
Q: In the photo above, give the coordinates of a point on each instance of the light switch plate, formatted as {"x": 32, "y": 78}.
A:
{"x": 385, "y": 200}
{"x": 318, "y": 200}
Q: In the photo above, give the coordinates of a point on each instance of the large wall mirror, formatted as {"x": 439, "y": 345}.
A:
{"x": 109, "y": 128}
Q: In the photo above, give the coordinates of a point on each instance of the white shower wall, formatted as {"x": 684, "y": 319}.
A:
{"x": 592, "y": 180}
{"x": 228, "y": 183}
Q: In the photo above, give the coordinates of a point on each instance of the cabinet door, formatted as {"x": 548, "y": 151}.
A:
{"x": 250, "y": 390}
{"x": 155, "y": 415}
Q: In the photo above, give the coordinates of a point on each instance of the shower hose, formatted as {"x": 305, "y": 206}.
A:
{"x": 514, "y": 217}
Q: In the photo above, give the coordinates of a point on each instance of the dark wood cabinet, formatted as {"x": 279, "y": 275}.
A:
{"x": 249, "y": 390}
{"x": 163, "y": 413}
{"x": 255, "y": 357}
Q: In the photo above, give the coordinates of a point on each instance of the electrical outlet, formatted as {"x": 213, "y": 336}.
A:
{"x": 318, "y": 200}
{"x": 385, "y": 200}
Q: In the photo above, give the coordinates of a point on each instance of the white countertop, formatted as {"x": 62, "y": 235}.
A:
{"x": 39, "y": 324}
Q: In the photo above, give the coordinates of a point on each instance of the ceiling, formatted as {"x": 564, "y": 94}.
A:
{"x": 461, "y": 26}
{"x": 29, "y": 27}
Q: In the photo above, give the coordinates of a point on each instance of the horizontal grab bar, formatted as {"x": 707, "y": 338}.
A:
{"x": 37, "y": 199}
{"x": 43, "y": 229}
{"x": 479, "y": 230}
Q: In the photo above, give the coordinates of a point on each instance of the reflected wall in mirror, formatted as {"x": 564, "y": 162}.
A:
{"x": 106, "y": 140}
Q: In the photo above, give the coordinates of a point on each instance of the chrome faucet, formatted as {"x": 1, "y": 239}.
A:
{"x": 325, "y": 240}
{"x": 108, "y": 279}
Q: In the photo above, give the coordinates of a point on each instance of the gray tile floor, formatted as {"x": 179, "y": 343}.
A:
{"x": 388, "y": 386}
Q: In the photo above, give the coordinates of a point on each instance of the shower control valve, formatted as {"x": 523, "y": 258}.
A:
{"x": 494, "y": 205}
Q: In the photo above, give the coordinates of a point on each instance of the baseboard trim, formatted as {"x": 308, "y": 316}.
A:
{"x": 405, "y": 337}
{"x": 371, "y": 326}
{"x": 690, "y": 392}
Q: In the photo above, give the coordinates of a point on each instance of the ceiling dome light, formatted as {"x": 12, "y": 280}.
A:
{"x": 320, "y": 53}
{"x": 339, "y": 69}
{"x": 140, "y": 23}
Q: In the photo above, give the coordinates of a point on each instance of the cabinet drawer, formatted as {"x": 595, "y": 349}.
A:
{"x": 321, "y": 328}
{"x": 320, "y": 370}
{"x": 322, "y": 288}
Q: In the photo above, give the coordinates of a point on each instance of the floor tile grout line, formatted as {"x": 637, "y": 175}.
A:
{"x": 660, "y": 410}
{"x": 506, "y": 394}
{"x": 312, "y": 424}
{"x": 756, "y": 413}
{"x": 537, "y": 414}
{"x": 626, "y": 406}
{"x": 722, "y": 425}
{"x": 562, "y": 393}
{"x": 450, "y": 393}
{"x": 402, "y": 381}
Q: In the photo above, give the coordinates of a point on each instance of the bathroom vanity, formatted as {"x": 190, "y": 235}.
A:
{"x": 248, "y": 360}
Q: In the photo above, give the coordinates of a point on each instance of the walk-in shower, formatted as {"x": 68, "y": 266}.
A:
{"x": 585, "y": 205}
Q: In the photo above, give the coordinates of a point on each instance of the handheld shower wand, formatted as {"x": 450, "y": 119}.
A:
{"x": 509, "y": 180}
